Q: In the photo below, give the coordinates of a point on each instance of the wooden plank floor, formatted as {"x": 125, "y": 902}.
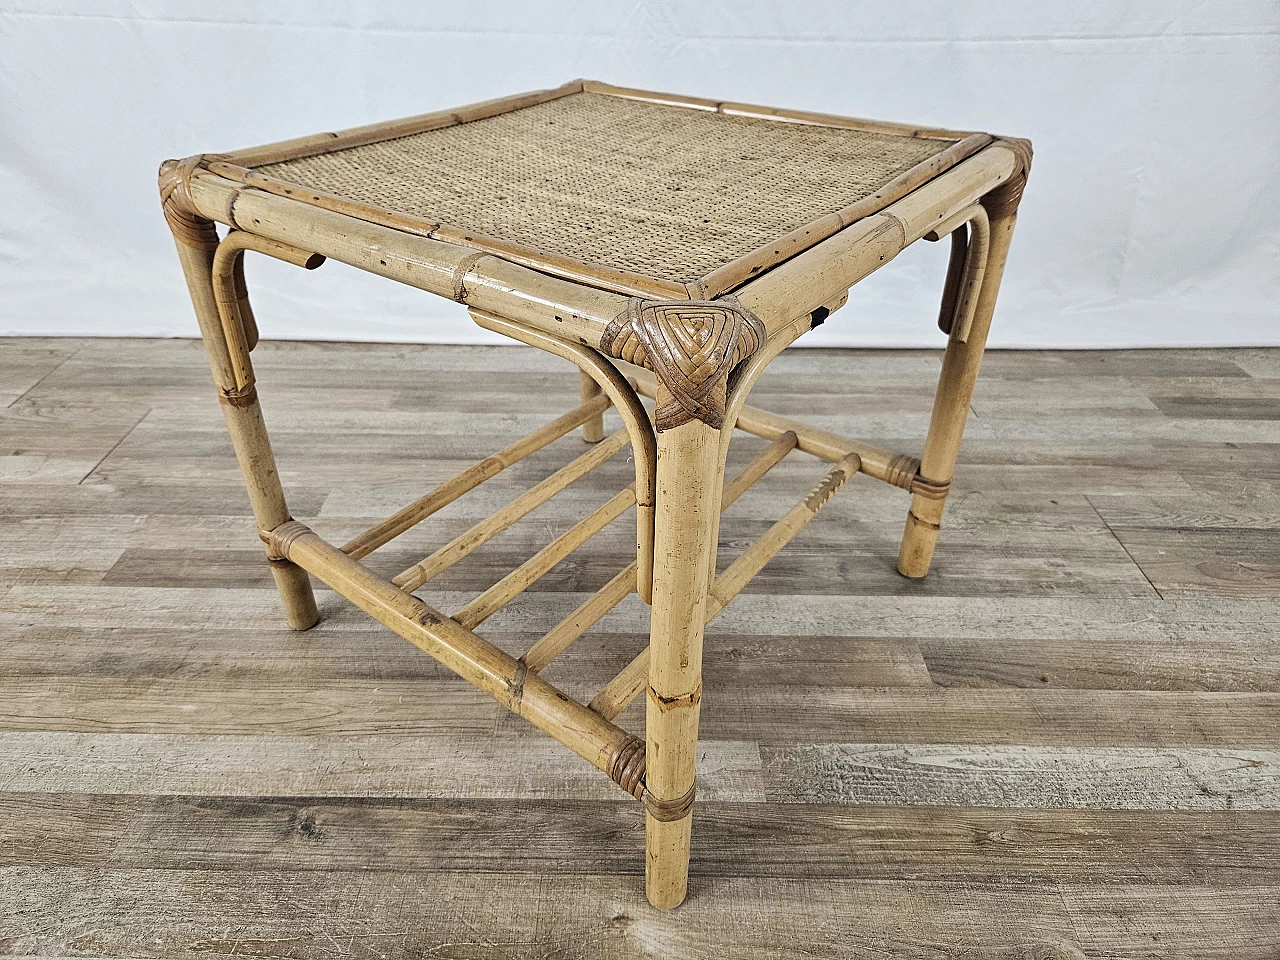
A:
{"x": 1064, "y": 743}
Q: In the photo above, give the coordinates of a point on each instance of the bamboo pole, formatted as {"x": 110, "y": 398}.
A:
{"x": 803, "y": 238}
{"x": 593, "y": 429}
{"x": 559, "y": 637}
{"x": 611, "y": 594}
{"x": 415, "y": 576}
{"x": 615, "y": 695}
{"x": 474, "y": 659}
{"x": 688, "y": 504}
{"x": 196, "y": 242}
{"x": 314, "y": 144}
{"x": 771, "y": 113}
{"x": 523, "y": 576}
{"x": 476, "y": 474}
{"x": 950, "y": 411}
{"x": 634, "y": 417}
{"x": 627, "y": 685}
{"x": 893, "y": 468}
{"x": 562, "y": 308}
{"x": 232, "y": 295}
{"x": 827, "y": 270}
{"x": 752, "y": 560}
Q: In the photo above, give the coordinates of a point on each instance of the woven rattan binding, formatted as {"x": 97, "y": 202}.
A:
{"x": 1003, "y": 200}
{"x": 692, "y": 345}
{"x": 282, "y": 537}
{"x": 175, "y": 197}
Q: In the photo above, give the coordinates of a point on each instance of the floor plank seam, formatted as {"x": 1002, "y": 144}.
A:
{"x": 1111, "y": 530}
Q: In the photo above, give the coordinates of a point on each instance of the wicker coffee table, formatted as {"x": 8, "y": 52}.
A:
{"x": 670, "y": 247}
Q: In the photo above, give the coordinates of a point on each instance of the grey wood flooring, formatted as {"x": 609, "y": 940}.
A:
{"x": 1064, "y": 743}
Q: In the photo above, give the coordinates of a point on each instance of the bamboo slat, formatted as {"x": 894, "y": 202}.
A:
{"x": 474, "y": 659}
{"x": 634, "y": 417}
{"x": 449, "y": 491}
{"x": 615, "y": 695}
{"x": 390, "y": 129}
{"x": 519, "y": 579}
{"x": 415, "y": 576}
{"x": 612, "y": 593}
{"x": 558, "y": 639}
{"x": 752, "y": 560}
{"x": 893, "y": 468}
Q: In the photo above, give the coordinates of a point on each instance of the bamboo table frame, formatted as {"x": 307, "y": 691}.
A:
{"x": 694, "y": 349}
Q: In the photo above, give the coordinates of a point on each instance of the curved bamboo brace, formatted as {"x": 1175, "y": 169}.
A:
{"x": 229, "y": 290}
{"x": 634, "y": 418}
{"x": 967, "y": 267}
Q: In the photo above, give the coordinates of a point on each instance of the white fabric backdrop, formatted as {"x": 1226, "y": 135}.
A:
{"x": 1152, "y": 216}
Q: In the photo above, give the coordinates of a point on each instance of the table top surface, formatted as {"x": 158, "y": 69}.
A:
{"x": 636, "y": 192}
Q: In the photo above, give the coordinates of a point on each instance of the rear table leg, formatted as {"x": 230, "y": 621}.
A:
{"x": 951, "y": 409}
{"x": 593, "y": 429}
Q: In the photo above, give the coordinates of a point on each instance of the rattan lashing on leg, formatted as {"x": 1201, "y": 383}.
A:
{"x": 608, "y": 252}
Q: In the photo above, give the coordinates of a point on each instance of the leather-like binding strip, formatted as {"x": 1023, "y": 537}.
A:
{"x": 280, "y": 539}
{"x": 460, "y": 274}
{"x": 692, "y": 345}
{"x": 627, "y": 769}
{"x": 930, "y": 489}
{"x": 245, "y": 397}
{"x": 1003, "y": 200}
{"x": 669, "y": 810}
{"x": 901, "y": 470}
{"x": 188, "y": 226}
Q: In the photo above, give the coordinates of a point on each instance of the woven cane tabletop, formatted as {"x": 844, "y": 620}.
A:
{"x": 646, "y": 189}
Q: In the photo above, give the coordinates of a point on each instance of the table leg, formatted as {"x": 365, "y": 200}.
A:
{"x": 688, "y": 503}
{"x": 950, "y": 411}
{"x": 593, "y": 429}
{"x": 196, "y": 242}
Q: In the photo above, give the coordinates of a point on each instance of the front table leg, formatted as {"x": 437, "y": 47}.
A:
{"x": 688, "y": 504}
{"x": 197, "y": 242}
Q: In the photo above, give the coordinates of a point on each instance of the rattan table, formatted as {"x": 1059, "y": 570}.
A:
{"x": 668, "y": 246}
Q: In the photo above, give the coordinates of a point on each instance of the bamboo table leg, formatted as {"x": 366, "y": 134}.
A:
{"x": 951, "y": 406}
{"x": 593, "y": 429}
{"x": 197, "y": 243}
{"x": 688, "y": 504}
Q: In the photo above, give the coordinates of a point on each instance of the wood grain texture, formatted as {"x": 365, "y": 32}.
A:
{"x": 1062, "y": 743}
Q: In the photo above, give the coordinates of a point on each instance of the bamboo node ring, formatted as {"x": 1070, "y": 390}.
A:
{"x": 460, "y": 274}
{"x": 669, "y": 810}
{"x": 692, "y": 345}
{"x": 246, "y": 396}
{"x": 280, "y": 539}
{"x": 515, "y": 691}
{"x": 664, "y": 704}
